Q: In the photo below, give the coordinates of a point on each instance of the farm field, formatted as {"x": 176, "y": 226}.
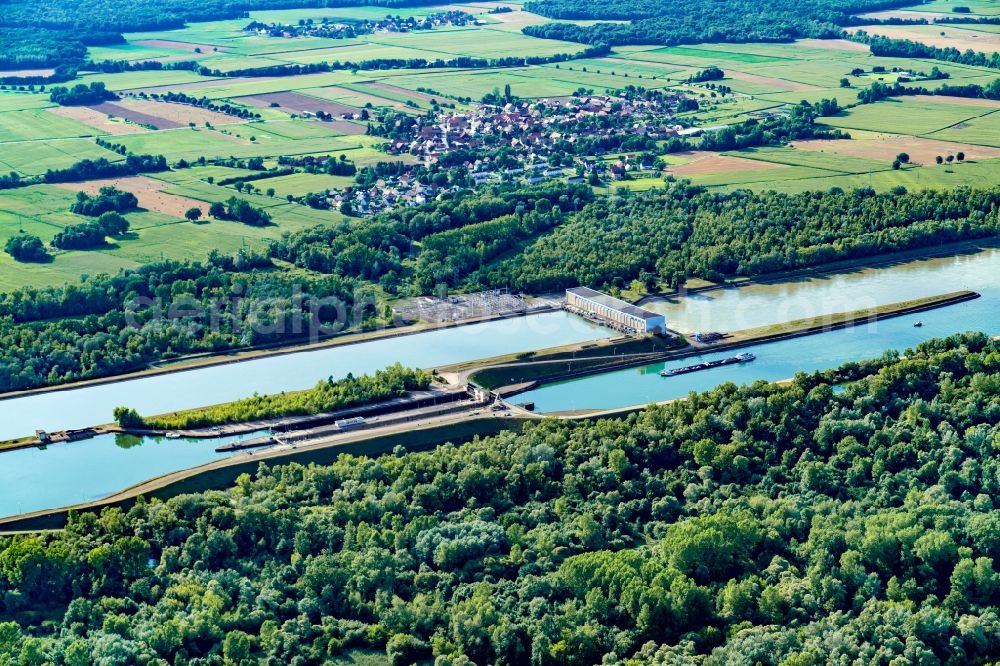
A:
{"x": 922, "y": 117}
{"x": 765, "y": 78}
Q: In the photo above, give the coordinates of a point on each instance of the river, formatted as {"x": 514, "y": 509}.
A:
{"x": 63, "y": 474}
{"x": 158, "y": 394}
{"x": 758, "y": 305}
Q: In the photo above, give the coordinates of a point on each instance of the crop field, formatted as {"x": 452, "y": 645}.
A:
{"x": 33, "y": 158}
{"x": 885, "y": 147}
{"x": 36, "y": 135}
{"x": 814, "y": 159}
{"x": 298, "y": 184}
{"x": 984, "y": 130}
{"x": 962, "y": 37}
{"x": 39, "y": 124}
{"x": 22, "y": 101}
{"x": 921, "y": 117}
{"x": 976, "y": 7}
{"x": 190, "y": 144}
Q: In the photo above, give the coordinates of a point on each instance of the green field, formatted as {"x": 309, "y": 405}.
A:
{"x": 298, "y": 184}
{"x": 36, "y": 157}
{"x": 813, "y": 159}
{"x": 35, "y": 124}
{"x": 984, "y": 130}
{"x": 764, "y": 77}
{"x": 920, "y": 117}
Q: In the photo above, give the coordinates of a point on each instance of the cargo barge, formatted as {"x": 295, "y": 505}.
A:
{"x": 745, "y": 357}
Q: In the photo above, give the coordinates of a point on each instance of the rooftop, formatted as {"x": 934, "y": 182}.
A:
{"x": 612, "y": 302}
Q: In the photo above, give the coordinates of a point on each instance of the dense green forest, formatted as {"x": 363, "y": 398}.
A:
{"x": 328, "y": 395}
{"x": 112, "y": 324}
{"x": 846, "y": 517}
{"x": 694, "y": 21}
{"x": 532, "y": 238}
{"x": 684, "y": 231}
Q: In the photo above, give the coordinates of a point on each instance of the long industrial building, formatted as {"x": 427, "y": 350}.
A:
{"x": 616, "y": 312}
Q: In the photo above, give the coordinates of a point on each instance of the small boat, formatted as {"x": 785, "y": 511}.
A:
{"x": 172, "y": 435}
{"x": 918, "y": 324}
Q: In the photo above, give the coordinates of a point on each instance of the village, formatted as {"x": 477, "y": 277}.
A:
{"x": 329, "y": 29}
{"x": 506, "y": 139}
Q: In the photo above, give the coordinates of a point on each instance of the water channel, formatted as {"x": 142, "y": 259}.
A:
{"x": 158, "y": 394}
{"x": 759, "y": 305}
{"x": 33, "y": 479}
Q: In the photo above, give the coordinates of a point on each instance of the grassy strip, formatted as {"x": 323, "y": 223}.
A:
{"x": 395, "y": 381}
{"x": 601, "y": 358}
{"x": 841, "y": 318}
{"x": 539, "y": 366}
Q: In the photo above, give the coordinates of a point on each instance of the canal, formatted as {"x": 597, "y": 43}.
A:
{"x": 158, "y": 394}
{"x": 63, "y": 474}
{"x": 766, "y": 304}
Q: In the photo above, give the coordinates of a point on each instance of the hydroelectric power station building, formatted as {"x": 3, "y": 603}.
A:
{"x": 614, "y": 311}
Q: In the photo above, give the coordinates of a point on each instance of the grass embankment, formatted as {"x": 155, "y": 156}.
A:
{"x": 598, "y": 359}
{"x": 852, "y": 318}
{"x": 393, "y": 382}
{"x": 539, "y": 366}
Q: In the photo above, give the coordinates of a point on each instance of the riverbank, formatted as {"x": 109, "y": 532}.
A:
{"x": 239, "y": 356}
{"x": 223, "y": 473}
{"x": 220, "y": 473}
{"x": 521, "y": 377}
{"x": 835, "y": 267}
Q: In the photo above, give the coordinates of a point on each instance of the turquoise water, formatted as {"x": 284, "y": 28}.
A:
{"x": 781, "y": 360}
{"x": 64, "y": 474}
{"x": 82, "y": 407}
{"x": 75, "y": 472}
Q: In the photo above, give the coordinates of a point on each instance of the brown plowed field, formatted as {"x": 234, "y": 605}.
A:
{"x": 703, "y": 163}
{"x": 97, "y": 120}
{"x": 147, "y": 191}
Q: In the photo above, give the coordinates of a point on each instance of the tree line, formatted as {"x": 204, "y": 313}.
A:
{"x": 328, "y": 395}
{"x": 847, "y": 516}
{"x": 110, "y": 324}
{"x": 906, "y": 48}
{"x": 670, "y": 235}
{"x": 697, "y": 21}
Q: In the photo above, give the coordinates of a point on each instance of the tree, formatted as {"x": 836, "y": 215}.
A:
{"x": 193, "y": 214}
{"x": 236, "y": 648}
{"x": 127, "y": 417}
{"x": 939, "y": 159}
{"x": 217, "y": 210}
{"x": 845, "y": 82}
{"x": 26, "y": 247}
{"x": 403, "y": 650}
{"x": 960, "y": 156}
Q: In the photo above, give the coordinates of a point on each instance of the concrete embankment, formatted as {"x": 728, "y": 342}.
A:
{"x": 223, "y": 473}
{"x": 282, "y": 349}
{"x": 414, "y": 400}
{"x": 747, "y": 338}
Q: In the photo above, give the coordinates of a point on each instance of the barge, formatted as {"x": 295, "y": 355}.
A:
{"x": 745, "y": 357}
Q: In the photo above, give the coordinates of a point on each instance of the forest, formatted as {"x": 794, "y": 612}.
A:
{"x": 684, "y": 231}
{"x": 845, "y": 517}
{"x": 695, "y": 21}
{"x": 534, "y": 239}
{"x": 328, "y": 395}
